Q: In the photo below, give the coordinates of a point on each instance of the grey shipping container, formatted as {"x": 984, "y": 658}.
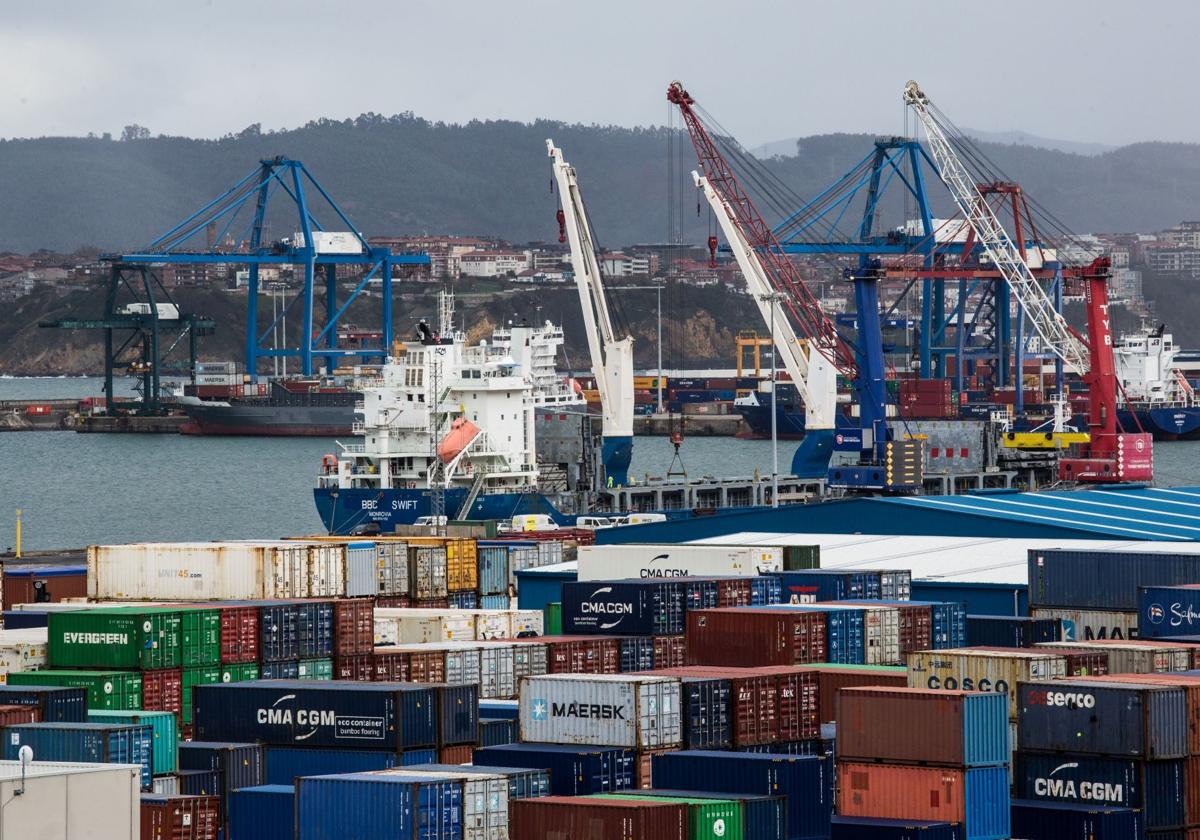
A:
{"x": 391, "y": 568}
{"x": 427, "y": 571}
{"x": 360, "y": 570}
{"x": 1103, "y": 580}
{"x": 625, "y": 710}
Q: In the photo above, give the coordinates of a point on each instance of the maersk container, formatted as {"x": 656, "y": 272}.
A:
{"x": 574, "y": 770}
{"x": 94, "y": 743}
{"x": 105, "y": 689}
{"x": 164, "y": 732}
{"x": 1012, "y": 630}
{"x": 706, "y": 713}
{"x": 263, "y": 812}
{"x": 235, "y": 765}
{"x": 1091, "y": 625}
{"x": 1103, "y": 718}
{"x": 709, "y": 818}
{"x": 116, "y": 638}
{"x": 868, "y": 828}
{"x": 1158, "y": 788}
{"x": 484, "y": 799}
{"x": 1032, "y": 820}
{"x": 422, "y": 626}
{"x": 55, "y": 703}
{"x": 285, "y": 764}
{"x": 391, "y": 569}
{"x": 969, "y": 669}
{"x": 813, "y": 585}
{"x": 1103, "y": 580}
{"x": 347, "y": 805}
{"x": 494, "y": 732}
{"x": 762, "y": 816}
{"x": 806, "y": 782}
{"x": 639, "y": 712}
{"x": 640, "y": 560}
{"x": 1135, "y": 658}
{"x": 954, "y": 729}
{"x": 637, "y": 654}
{"x": 382, "y": 716}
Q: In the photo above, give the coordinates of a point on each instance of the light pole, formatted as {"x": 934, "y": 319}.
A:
{"x": 773, "y": 299}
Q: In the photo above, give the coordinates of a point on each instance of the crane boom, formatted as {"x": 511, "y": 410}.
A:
{"x": 612, "y": 357}
{"x": 1050, "y": 326}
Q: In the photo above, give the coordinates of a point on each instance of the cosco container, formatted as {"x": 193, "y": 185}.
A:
{"x": 955, "y": 729}
{"x": 1012, "y": 630}
{"x": 164, "y": 733}
{"x": 116, "y": 638}
{"x": 1091, "y": 625}
{"x": 639, "y": 560}
{"x": 1061, "y": 821}
{"x": 1158, "y": 788}
{"x": 813, "y": 585}
{"x": 768, "y": 636}
{"x": 833, "y": 678}
{"x": 94, "y": 743}
{"x": 975, "y": 797}
{"x": 54, "y": 703}
{"x": 263, "y": 812}
{"x": 105, "y": 689}
{"x": 867, "y": 828}
{"x": 639, "y": 712}
{"x": 805, "y": 781}
{"x": 708, "y": 818}
{"x": 484, "y": 798}
{"x": 555, "y": 817}
{"x": 1103, "y": 718}
{"x": 1135, "y": 658}
{"x": 383, "y": 716}
{"x": 523, "y": 783}
{"x": 1103, "y": 580}
{"x": 574, "y": 770}
{"x": 624, "y": 608}
{"x": 968, "y": 669}
{"x": 377, "y": 805}
{"x": 167, "y": 817}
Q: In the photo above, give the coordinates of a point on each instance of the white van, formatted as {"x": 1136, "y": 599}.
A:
{"x": 645, "y": 518}
{"x": 534, "y": 522}
{"x": 593, "y": 523}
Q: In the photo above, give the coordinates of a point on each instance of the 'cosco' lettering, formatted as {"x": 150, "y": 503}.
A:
{"x": 967, "y": 684}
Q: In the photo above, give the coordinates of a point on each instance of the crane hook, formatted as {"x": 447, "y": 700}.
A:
{"x": 712, "y": 252}
{"x": 562, "y": 225}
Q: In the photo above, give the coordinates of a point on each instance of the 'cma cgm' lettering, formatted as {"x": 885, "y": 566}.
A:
{"x": 598, "y": 711}
{"x": 301, "y": 717}
{"x": 968, "y": 684}
{"x": 96, "y": 638}
{"x": 1082, "y": 791}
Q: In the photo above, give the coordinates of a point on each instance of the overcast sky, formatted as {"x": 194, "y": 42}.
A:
{"x": 1101, "y": 71}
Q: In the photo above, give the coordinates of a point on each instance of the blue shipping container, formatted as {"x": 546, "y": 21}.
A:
{"x": 523, "y": 783}
{"x": 510, "y": 709}
{"x": 493, "y": 569}
{"x": 706, "y": 713}
{"x": 637, "y": 653}
{"x": 1103, "y": 718}
{"x": 623, "y": 608}
{"x": 494, "y": 732}
{"x": 1012, "y": 630}
{"x": 494, "y": 602}
{"x": 97, "y": 743}
{"x": 410, "y": 757}
{"x": 364, "y": 805}
{"x": 865, "y": 828}
{"x": 1059, "y": 821}
{"x": 764, "y": 590}
{"x": 463, "y": 600}
{"x": 284, "y": 764}
{"x": 236, "y": 765}
{"x": 949, "y": 622}
{"x": 278, "y": 632}
{"x": 314, "y": 629}
{"x": 977, "y": 598}
{"x": 1167, "y": 612}
{"x": 816, "y": 746}
{"x": 806, "y": 781}
{"x": 58, "y": 704}
{"x": 201, "y": 782}
{"x": 280, "y": 670}
{"x": 574, "y": 771}
{"x": 1103, "y": 580}
{"x": 265, "y": 812}
{"x": 25, "y": 619}
{"x": 458, "y": 712}
{"x": 762, "y": 816}
{"x": 812, "y": 585}
{"x": 383, "y": 716}
{"x": 1155, "y": 787}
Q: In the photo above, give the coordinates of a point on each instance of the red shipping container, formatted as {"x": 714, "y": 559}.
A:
{"x": 733, "y": 592}
{"x": 903, "y": 725}
{"x": 562, "y": 817}
{"x": 892, "y": 791}
{"x": 162, "y": 691}
{"x": 393, "y": 602}
{"x": 579, "y": 654}
{"x": 19, "y": 589}
{"x": 353, "y": 626}
{"x": 915, "y": 623}
{"x": 750, "y": 637}
{"x": 410, "y": 666}
{"x": 239, "y": 634}
{"x": 360, "y": 667}
{"x": 181, "y": 818}
{"x": 670, "y": 651}
{"x": 458, "y": 754}
{"x": 796, "y": 693}
{"x": 15, "y": 715}
{"x": 754, "y": 698}
{"x": 830, "y": 681}
{"x": 431, "y": 603}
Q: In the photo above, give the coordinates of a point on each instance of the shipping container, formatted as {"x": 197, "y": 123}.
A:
{"x": 968, "y": 669}
{"x": 484, "y": 798}
{"x": 1158, "y": 788}
{"x": 761, "y": 816}
{"x": 165, "y": 785}
{"x": 15, "y": 715}
{"x": 239, "y": 633}
{"x": 105, "y": 689}
{"x": 96, "y": 743}
{"x": 953, "y": 729}
{"x": 578, "y": 654}
{"x": 162, "y": 691}
{"x": 493, "y": 569}
{"x": 706, "y": 709}
{"x": 975, "y": 797}
{"x": 1133, "y": 658}
{"x": 1011, "y": 630}
{"x": 1100, "y": 718}
{"x": 463, "y": 600}
{"x": 1189, "y": 683}
{"x": 832, "y": 679}
{"x": 670, "y": 651}
{"x": 263, "y": 812}
{"x": 859, "y": 634}
{"x": 574, "y": 770}
{"x": 496, "y": 602}
{"x": 427, "y": 571}
{"x": 638, "y": 560}
{"x": 805, "y": 781}
{"x": 181, "y": 817}
{"x": 1103, "y": 580}
{"x": 315, "y": 669}
{"x": 22, "y": 650}
{"x": 116, "y": 638}
{"x": 765, "y": 590}
{"x": 457, "y": 712}
{"x": 360, "y": 667}
{"x": 231, "y": 766}
{"x": 555, "y": 817}
{"x": 639, "y": 712}
{"x": 289, "y": 670}
{"x": 417, "y": 626}
{"x": 314, "y": 629}
{"x": 391, "y": 569}
{"x": 163, "y": 731}
{"x": 349, "y": 805}
{"x": 866, "y": 828}
{"x": 768, "y": 636}
{"x": 199, "y": 782}
{"x": 708, "y": 818}
{"x": 494, "y": 732}
{"x": 813, "y": 585}
{"x": 1032, "y": 820}
{"x": 624, "y": 607}
{"x": 1091, "y": 625}
{"x": 353, "y": 626}
{"x": 384, "y": 716}
{"x": 54, "y": 703}
{"x": 43, "y": 583}
{"x": 409, "y": 665}
{"x": 192, "y": 678}
{"x": 637, "y": 653}
{"x": 523, "y": 783}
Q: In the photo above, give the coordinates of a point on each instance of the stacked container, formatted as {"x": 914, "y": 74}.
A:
{"x": 742, "y": 637}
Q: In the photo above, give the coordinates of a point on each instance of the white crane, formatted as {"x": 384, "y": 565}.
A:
{"x": 612, "y": 357}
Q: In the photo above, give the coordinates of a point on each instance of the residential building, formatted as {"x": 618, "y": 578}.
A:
{"x": 493, "y": 263}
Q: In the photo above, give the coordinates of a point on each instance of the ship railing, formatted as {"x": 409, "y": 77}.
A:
{"x": 358, "y": 427}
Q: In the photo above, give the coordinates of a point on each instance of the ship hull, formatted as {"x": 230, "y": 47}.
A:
{"x": 342, "y": 510}
{"x": 1180, "y": 423}
{"x": 269, "y": 420}
{"x": 789, "y": 421}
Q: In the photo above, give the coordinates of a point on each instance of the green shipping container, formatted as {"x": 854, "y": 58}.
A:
{"x": 316, "y": 669}
{"x": 106, "y": 689}
{"x": 162, "y": 725}
{"x": 239, "y": 673}
{"x": 708, "y": 819}
{"x": 850, "y": 666}
{"x": 201, "y": 637}
{"x": 192, "y": 677}
{"x": 553, "y": 618}
{"x": 145, "y": 639}
{"x": 797, "y": 558}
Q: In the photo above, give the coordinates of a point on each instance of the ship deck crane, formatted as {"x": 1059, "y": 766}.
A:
{"x": 813, "y": 354}
{"x": 1110, "y": 455}
{"x": 612, "y": 357}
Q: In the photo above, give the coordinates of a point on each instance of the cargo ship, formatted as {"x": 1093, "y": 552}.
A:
{"x": 283, "y": 407}
{"x": 1155, "y": 395}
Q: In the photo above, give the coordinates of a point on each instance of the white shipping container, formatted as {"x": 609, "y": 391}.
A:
{"x": 403, "y": 625}
{"x": 391, "y": 560}
{"x": 506, "y": 624}
{"x": 484, "y": 800}
{"x": 66, "y": 801}
{"x": 1086, "y": 625}
{"x": 969, "y": 669}
{"x": 641, "y": 560}
{"x": 330, "y": 241}
{"x": 1135, "y": 658}
{"x": 530, "y": 659}
{"x": 622, "y": 710}
{"x": 22, "y": 650}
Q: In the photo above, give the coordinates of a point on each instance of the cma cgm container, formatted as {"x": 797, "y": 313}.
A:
{"x": 1102, "y": 718}
{"x": 956, "y": 729}
{"x": 54, "y": 703}
{"x": 805, "y": 781}
{"x": 574, "y": 771}
{"x": 975, "y": 797}
{"x": 1103, "y": 580}
{"x": 624, "y": 608}
{"x": 555, "y": 817}
{"x": 1012, "y": 630}
{"x": 639, "y": 712}
{"x": 968, "y": 669}
{"x": 1061, "y": 821}
{"x": 382, "y": 716}
{"x": 768, "y": 636}
{"x": 263, "y": 812}
{"x": 105, "y": 689}
{"x": 93, "y": 743}
{"x": 639, "y": 560}
{"x": 1158, "y": 788}
{"x": 377, "y": 805}
{"x": 1091, "y": 625}
{"x": 866, "y": 828}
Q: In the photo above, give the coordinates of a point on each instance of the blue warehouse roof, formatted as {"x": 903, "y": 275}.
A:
{"x": 1127, "y": 512}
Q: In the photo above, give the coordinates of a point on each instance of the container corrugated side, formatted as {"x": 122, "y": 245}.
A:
{"x": 573, "y": 770}
{"x": 55, "y": 703}
{"x": 105, "y": 689}
{"x": 982, "y": 670}
{"x": 1089, "y": 625}
{"x": 1012, "y": 630}
{"x": 98, "y": 743}
{"x": 416, "y": 626}
{"x": 554, "y": 817}
{"x": 831, "y": 679}
{"x": 174, "y": 816}
{"x": 523, "y": 782}
{"x": 264, "y": 812}
{"x": 767, "y": 636}
{"x": 709, "y": 818}
{"x": 1133, "y": 657}
{"x": 868, "y": 828}
{"x": 1103, "y": 580}
{"x": 484, "y": 799}
{"x": 626, "y": 711}
{"x": 116, "y": 638}
{"x": 1055, "y": 820}
{"x": 163, "y": 730}
{"x": 358, "y": 805}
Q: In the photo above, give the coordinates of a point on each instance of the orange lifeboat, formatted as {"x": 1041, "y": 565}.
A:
{"x": 462, "y": 432}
